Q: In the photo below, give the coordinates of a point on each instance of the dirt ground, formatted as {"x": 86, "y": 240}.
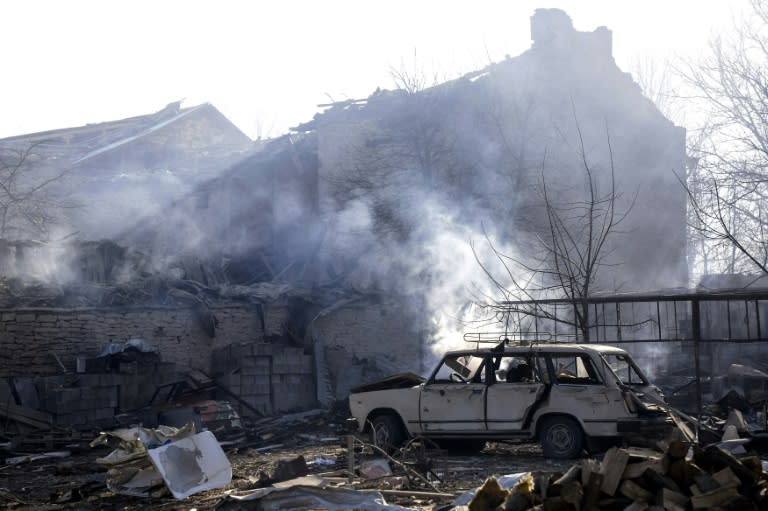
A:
{"x": 77, "y": 482}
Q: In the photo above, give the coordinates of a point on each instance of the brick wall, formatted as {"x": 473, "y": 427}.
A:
{"x": 30, "y": 337}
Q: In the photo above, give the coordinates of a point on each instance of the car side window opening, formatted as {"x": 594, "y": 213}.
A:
{"x": 625, "y": 369}
{"x": 460, "y": 369}
{"x": 516, "y": 369}
{"x": 575, "y": 369}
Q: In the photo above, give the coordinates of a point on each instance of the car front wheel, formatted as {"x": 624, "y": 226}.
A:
{"x": 561, "y": 438}
{"x": 387, "y": 432}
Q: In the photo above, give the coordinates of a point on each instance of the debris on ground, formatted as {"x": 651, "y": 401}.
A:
{"x": 150, "y": 462}
{"x": 683, "y": 477}
{"x": 290, "y": 462}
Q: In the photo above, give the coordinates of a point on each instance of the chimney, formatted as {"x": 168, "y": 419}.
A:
{"x": 550, "y": 27}
{"x": 553, "y": 29}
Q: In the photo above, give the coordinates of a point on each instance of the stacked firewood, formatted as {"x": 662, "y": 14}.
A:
{"x": 683, "y": 477}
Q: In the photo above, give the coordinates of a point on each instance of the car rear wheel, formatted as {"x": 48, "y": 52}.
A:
{"x": 561, "y": 438}
{"x": 388, "y": 434}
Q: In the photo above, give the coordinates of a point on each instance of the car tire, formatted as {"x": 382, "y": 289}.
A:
{"x": 561, "y": 438}
{"x": 387, "y": 432}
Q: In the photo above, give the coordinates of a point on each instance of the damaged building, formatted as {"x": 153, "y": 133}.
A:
{"x": 283, "y": 272}
{"x": 125, "y": 169}
{"x": 477, "y": 148}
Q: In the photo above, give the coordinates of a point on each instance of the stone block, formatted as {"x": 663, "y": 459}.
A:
{"x": 263, "y": 348}
{"x": 255, "y": 384}
{"x": 69, "y": 396}
{"x": 292, "y": 362}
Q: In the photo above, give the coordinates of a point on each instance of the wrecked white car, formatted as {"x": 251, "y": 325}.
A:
{"x": 566, "y": 396}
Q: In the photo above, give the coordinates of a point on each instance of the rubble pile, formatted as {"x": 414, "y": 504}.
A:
{"x": 682, "y": 478}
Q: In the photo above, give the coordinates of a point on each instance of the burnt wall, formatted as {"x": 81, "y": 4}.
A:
{"x": 364, "y": 341}
{"x": 268, "y": 377}
{"x": 29, "y": 338}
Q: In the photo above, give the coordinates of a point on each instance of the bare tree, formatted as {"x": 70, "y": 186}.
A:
{"x": 30, "y": 206}
{"x": 728, "y": 186}
{"x": 656, "y": 81}
{"x": 569, "y": 253}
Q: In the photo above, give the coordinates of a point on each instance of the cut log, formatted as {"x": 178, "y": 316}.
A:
{"x": 725, "y": 477}
{"x": 754, "y": 464}
{"x": 573, "y": 474}
{"x": 553, "y": 504}
{"x": 668, "y": 498}
{"x": 678, "y": 449}
{"x": 614, "y": 463}
{"x": 713, "y": 498}
{"x": 587, "y": 467}
{"x": 656, "y": 481}
{"x": 705, "y": 483}
{"x": 635, "y": 470}
{"x": 682, "y": 472}
{"x": 643, "y": 454}
{"x": 634, "y": 491}
{"x": 592, "y": 491}
{"x": 716, "y": 459}
{"x": 573, "y": 494}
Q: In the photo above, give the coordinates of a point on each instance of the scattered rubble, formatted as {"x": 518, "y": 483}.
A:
{"x": 151, "y": 462}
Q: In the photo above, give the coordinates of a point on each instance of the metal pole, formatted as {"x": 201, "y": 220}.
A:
{"x": 696, "y": 330}
{"x": 350, "y": 458}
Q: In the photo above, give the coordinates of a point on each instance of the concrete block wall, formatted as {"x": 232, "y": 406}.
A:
{"x": 30, "y": 337}
{"x": 93, "y": 399}
{"x": 270, "y": 377}
{"x": 364, "y": 341}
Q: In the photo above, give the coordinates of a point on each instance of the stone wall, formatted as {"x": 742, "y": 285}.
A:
{"x": 29, "y": 338}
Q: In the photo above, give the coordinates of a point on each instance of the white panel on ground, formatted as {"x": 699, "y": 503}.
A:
{"x": 193, "y": 464}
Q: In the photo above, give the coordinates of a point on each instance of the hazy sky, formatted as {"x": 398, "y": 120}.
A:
{"x": 268, "y": 64}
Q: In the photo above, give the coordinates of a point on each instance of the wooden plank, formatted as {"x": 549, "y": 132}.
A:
{"x": 26, "y": 412}
{"x": 25, "y": 420}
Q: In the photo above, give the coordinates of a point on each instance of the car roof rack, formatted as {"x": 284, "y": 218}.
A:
{"x": 501, "y": 339}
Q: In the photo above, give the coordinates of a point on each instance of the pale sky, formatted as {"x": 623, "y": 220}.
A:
{"x": 268, "y": 64}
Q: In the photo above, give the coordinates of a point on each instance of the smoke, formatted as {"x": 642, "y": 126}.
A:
{"x": 440, "y": 254}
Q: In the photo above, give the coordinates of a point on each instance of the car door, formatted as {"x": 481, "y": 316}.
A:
{"x": 517, "y": 387}
{"x": 453, "y": 399}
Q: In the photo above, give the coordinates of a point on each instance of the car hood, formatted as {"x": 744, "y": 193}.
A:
{"x": 396, "y": 381}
